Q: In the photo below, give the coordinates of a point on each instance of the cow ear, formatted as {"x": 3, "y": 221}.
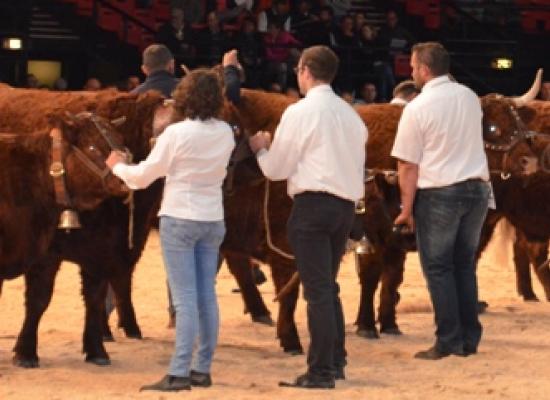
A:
{"x": 65, "y": 124}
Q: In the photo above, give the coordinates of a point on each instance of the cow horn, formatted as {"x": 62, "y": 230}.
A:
{"x": 118, "y": 121}
{"x": 531, "y": 93}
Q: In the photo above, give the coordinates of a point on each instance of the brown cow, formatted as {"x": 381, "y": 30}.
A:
{"x": 31, "y": 203}
{"x": 102, "y": 247}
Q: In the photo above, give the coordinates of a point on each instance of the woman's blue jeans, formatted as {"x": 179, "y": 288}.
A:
{"x": 448, "y": 224}
{"x": 190, "y": 250}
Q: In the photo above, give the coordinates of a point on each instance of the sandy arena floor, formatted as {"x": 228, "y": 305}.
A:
{"x": 513, "y": 362}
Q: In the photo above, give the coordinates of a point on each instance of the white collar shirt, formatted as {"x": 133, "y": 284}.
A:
{"x": 441, "y": 131}
{"x": 193, "y": 156}
{"x": 399, "y": 101}
{"x": 319, "y": 146}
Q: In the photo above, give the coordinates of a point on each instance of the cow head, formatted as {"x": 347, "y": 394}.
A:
{"x": 506, "y": 138}
{"x": 85, "y": 142}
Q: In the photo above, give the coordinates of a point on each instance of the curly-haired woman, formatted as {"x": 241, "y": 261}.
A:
{"x": 192, "y": 153}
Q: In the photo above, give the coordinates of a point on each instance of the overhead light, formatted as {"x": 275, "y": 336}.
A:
{"x": 12, "y": 43}
{"x": 502, "y": 63}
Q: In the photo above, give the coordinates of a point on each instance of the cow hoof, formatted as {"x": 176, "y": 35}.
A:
{"x": 20, "y": 362}
{"x": 294, "y": 352}
{"x": 99, "y": 361}
{"x": 263, "y": 319}
{"x": 368, "y": 333}
{"x": 530, "y": 298}
{"x": 108, "y": 338}
{"x": 391, "y": 331}
{"x": 134, "y": 335}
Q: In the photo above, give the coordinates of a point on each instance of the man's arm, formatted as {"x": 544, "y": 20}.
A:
{"x": 232, "y": 71}
{"x": 408, "y": 178}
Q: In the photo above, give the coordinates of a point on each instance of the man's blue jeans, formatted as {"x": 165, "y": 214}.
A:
{"x": 190, "y": 251}
{"x": 448, "y": 224}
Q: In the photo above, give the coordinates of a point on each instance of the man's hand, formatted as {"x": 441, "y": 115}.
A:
{"x": 261, "y": 140}
{"x": 407, "y": 220}
{"x": 230, "y": 58}
{"x": 114, "y": 158}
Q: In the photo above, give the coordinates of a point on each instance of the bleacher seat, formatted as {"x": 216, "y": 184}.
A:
{"x": 85, "y": 7}
{"x": 402, "y": 66}
{"x": 416, "y": 7}
{"x": 109, "y": 19}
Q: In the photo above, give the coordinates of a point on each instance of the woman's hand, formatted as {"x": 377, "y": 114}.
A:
{"x": 114, "y": 158}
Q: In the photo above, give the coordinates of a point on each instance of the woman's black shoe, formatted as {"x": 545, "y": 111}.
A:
{"x": 169, "y": 383}
{"x": 200, "y": 379}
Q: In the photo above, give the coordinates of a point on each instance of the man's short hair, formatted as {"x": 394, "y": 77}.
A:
{"x": 405, "y": 89}
{"x": 156, "y": 57}
{"x": 321, "y": 61}
{"x": 434, "y": 56}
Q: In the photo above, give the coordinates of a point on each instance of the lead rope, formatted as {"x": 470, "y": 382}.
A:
{"x": 131, "y": 208}
{"x": 268, "y": 229}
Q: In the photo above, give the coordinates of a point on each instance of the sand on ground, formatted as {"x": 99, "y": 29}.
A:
{"x": 512, "y": 363}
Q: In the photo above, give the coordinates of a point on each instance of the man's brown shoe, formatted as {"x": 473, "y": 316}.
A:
{"x": 201, "y": 379}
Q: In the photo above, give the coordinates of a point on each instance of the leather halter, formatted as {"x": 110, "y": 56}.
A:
{"x": 520, "y": 133}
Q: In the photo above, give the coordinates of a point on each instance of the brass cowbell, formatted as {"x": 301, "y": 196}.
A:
{"x": 69, "y": 220}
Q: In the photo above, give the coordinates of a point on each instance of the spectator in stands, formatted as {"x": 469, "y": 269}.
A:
{"x": 193, "y": 10}
{"x": 301, "y": 21}
{"x": 92, "y": 84}
{"x": 404, "y": 92}
{"x": 346, "y": 47}
{"x": 212, "y": 42}
{"x": 278, "y": 12}
{"x": 396, "y": 39}
{"x": 348, "y": 96}
{"x": 234, "y": 10}
{"x": 280, "y": 51}
{"x": 31, "y": 82}
{"x": 340, "y": 7}
{"x": 251, "y": 52}
{"x": 60, "y": 84}
{"x": 545, "y": 91}
{"x": 322, "y": 32}
{"x": 367, "y": 94}
{"x": 358, "y": 21}
{"x": 132, "y": 82}
{"x": 178, "y": 37}
{"x": 293, "y": 92}
{"x": 367, "y": 52}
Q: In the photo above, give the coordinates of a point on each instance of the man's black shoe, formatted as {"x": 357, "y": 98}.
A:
{"x": 307, "y": 381}
{"x": 169, "y": 384}
{"x": 469, "y": 351}
{"x": 435, "y": 354}
{"x": 201, "y": 379}
{"x": 339, "y": 375}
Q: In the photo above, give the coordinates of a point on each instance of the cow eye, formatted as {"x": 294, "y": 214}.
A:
{"x": 491, "y": 131}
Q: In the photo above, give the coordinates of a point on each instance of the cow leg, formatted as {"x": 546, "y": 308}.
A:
{"x": 538, "y": 255}
{"x": 523, "y": 273}
{"x": 122, "y": 286}
{"x": 286, "y": 326}
{"x": 107, "y": 307}
{"x": 94, "y": 289}
{"x": 39, "y": 283}
{"x": 392, "y": 277}
{"x": 239, "y": 265}
{"x": 370, "y": 270}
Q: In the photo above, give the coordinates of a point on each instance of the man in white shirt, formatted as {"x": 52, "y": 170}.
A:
{"x": 443, "y": 171}
{"x": 319, "y": 148}
{"x": 404, "y": 92}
